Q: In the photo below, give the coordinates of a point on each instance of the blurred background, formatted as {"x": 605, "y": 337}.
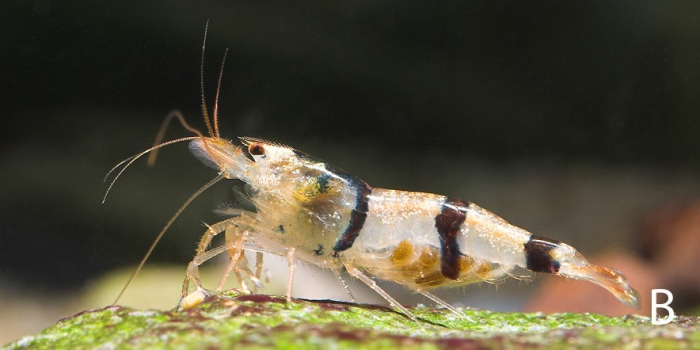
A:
{"x": 576, "y": 121}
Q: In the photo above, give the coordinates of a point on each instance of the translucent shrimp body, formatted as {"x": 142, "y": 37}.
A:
{"x": 311, "y": 211}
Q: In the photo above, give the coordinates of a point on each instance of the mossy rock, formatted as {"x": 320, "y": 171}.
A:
{"x": 260, "y": 321}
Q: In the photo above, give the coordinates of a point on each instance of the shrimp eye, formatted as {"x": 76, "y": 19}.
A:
{"x": 256, "y": 149}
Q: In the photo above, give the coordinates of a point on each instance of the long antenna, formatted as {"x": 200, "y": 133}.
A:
{"x": 218, "y": 90}
{"x": 201, "y": 81}
{"x": 162, "y": 232}
{"x": 164, "y": 127}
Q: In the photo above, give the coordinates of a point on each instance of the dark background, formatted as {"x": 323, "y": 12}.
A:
{"x": 535, "y": 84}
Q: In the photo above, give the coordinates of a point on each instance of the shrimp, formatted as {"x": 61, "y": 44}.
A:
{"x": 305, "y": 209}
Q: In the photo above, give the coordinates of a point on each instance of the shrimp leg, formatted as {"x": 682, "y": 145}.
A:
{"x": 237, "y": 230}
{"x": 444, "y": 304}
{"x": 292, "y": 267}
{"x": 344, "y": 284}
{"x": 354, "y": 272}
{"x": 238, "y": 262}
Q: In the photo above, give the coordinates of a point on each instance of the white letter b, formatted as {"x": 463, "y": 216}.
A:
{"x": 654, "y": 306}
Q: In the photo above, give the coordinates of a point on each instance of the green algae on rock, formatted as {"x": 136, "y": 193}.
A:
{"x": 233, "y": 319}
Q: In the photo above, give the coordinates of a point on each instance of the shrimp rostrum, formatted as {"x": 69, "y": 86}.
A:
{"x": 307, "y": 210}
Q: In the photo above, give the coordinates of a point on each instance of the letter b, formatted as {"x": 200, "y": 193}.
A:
{"x": 655, "y": 305}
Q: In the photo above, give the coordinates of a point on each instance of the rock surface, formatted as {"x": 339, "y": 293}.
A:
{"x": 262, "y": 321}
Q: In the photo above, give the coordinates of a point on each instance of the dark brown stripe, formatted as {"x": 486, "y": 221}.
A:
{"x": 357, "y": 216}
{"x": 538, "y": 256}
{"x": 448, "y": 223}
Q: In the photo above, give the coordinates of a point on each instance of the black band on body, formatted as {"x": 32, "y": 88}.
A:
{"x": 538, "y": 256}
{"x": 357, "y": 216}
{"x": 448, "y": 223}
